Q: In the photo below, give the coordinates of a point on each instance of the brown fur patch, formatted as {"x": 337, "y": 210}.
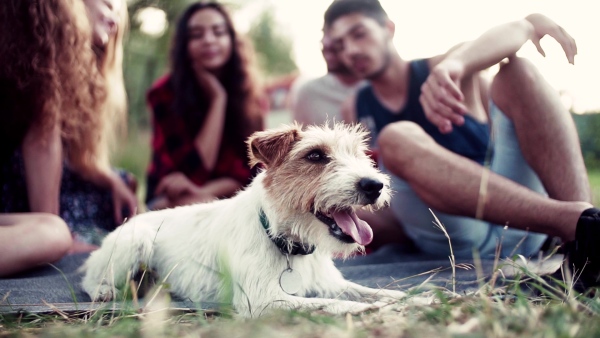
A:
{"x": 271, "y": 147}
{"x": 300, "y": 184}
{"x": 297, "y": 181}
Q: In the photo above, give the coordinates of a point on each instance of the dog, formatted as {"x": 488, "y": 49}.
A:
{"x": 275, "y": 239}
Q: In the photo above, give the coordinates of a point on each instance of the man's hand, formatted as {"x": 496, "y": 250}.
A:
{"x": 441, "y": 97}
{"x": 543, "y": 26}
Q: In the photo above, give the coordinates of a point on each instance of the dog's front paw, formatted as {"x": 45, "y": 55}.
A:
{"x": 104, "y": 293}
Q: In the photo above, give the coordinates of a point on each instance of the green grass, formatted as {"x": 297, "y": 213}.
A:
{"x": 493, "y": 312}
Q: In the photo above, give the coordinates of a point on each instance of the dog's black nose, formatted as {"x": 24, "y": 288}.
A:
{"x": 370, "y": 188}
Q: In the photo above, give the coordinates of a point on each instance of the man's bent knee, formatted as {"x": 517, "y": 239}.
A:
{"x": 401, "y": 141}
{"x": 401, "y": 133}
{"x": 513, "y": 80}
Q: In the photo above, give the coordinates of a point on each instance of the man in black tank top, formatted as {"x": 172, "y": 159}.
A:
{"x": 432, "y": 121}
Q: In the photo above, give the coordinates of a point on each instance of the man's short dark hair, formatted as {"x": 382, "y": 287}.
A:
{"x": 370, "y": 8}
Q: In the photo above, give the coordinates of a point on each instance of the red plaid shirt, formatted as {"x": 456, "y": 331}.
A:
{"x": 173, "y": 146}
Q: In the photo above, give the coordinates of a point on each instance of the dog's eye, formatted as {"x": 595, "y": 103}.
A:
{"x": 316, "y": 156}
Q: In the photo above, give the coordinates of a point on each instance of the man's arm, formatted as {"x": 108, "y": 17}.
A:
{"x": 505, "y": 40}
{"x": 442, "y": 94}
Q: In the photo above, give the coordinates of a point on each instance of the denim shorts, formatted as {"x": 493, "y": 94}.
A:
{"x": 469, "y": 234}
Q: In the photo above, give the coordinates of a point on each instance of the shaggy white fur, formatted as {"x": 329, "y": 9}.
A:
{"x": 319, "y": 171}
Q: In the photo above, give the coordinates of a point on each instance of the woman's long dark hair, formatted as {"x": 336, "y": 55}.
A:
{"x": 243, "y": 115}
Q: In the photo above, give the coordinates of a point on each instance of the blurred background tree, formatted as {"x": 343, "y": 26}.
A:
{"x": 273, "y": 48}
{"x": 152, "y": 24}
{"x": 588, "y": 126}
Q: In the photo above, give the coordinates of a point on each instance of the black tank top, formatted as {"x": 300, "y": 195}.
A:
{"x": 470, "y": 140}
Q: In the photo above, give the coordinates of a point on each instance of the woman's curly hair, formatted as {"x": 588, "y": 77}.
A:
{"x": 49, "y": 73}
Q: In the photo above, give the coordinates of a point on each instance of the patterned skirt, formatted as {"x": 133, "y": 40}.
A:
{"x": 86, "y": 208}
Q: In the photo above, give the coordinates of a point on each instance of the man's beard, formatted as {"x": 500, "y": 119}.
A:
{"x": 341, "y": 69}
{"x": 387, "y": 59}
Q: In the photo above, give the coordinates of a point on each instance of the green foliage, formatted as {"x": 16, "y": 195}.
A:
{"x": 594, "y": 176}
{"x": 588, "y": 126}
{"x": 273, "y": 48}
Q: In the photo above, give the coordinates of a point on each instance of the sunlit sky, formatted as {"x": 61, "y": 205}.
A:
{"x": 429, "y": 27}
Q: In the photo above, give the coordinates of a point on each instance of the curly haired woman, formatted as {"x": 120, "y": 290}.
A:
{"x": 202, "y": 112}
{"x": 55, "y": 120}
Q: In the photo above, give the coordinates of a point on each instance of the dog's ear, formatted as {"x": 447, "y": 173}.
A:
{"x": 270, "y": 147}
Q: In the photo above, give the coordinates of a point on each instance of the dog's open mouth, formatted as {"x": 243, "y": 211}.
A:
{"x": 346, "y": 226}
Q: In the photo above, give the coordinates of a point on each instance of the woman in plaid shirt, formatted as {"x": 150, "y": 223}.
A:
{"x": 202, "y": 112}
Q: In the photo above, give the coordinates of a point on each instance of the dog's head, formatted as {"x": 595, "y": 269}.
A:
{"x": 315, "y": 180}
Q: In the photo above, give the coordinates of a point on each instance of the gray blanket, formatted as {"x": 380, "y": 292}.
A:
{"x": 56, "y": 287}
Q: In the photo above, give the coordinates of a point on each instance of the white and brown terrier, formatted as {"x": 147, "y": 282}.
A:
{"x": 275, "y": 239}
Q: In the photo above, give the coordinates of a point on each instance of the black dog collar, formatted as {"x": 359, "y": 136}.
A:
{"x": 295, "y": 249}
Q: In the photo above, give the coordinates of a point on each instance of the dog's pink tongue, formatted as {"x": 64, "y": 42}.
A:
{"x": 353, "y": 226}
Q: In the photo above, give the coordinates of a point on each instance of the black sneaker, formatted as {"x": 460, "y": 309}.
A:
{"x": 583, "y": 253}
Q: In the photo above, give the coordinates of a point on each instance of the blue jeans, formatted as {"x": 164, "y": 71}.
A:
{"x": 468, "y": 234}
